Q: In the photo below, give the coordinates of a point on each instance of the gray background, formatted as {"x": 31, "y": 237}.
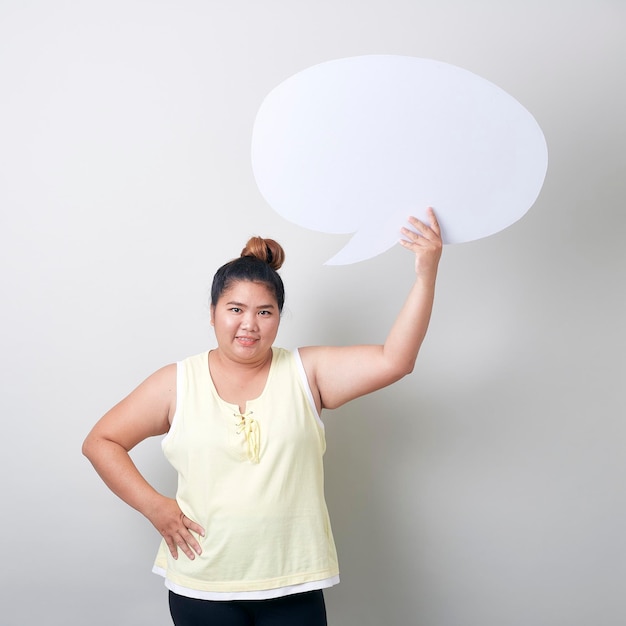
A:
{"x": 487, "y": 489}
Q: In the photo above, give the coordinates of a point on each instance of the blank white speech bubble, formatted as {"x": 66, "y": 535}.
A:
{"x": 357, "y": 145}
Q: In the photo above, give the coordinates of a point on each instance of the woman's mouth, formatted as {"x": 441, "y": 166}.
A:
{"x": 246, "y": 341}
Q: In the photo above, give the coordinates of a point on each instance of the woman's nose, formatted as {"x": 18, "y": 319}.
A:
{"x": 249, "y": 321}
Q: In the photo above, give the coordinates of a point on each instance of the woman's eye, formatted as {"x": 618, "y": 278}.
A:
{"x": 235, "y": 309}
{"x": 265, "y": 312}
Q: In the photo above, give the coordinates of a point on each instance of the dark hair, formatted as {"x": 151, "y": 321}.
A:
{"x": 258, "y": 263}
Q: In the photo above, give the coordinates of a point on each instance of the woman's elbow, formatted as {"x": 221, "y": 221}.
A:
{"x": 403, "y": 369}
{"x": 397, "y": 372}
{"x": 87, "y": 447}
{"x": 92, "y": 445}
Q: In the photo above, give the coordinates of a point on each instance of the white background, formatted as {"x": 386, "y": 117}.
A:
{"x": 488, "y": 488}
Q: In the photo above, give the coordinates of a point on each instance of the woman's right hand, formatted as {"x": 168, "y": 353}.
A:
{"x": 176, "y": 528}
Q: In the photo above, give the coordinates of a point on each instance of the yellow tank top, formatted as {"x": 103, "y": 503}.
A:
{"x": 253, "y": 481}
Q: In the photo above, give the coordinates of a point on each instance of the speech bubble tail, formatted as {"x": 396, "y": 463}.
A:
{"x": 364, "y": 245}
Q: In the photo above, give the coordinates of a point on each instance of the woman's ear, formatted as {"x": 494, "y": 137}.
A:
{"x": 212, "y": 314}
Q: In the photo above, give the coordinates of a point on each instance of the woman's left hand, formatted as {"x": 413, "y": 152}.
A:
{"x": 425, "y": 242}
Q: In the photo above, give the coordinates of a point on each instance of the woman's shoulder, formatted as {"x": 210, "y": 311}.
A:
{"x": 290, "y": 355}
{"x": 200, "y": 356}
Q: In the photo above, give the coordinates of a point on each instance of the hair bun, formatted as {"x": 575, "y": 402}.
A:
{"x": 267, "y": 250}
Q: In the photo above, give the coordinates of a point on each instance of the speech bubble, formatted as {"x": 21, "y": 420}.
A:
{"x": 356, "y": 145}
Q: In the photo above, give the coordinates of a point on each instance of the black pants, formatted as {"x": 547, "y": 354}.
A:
{"x": 302, "y": 609}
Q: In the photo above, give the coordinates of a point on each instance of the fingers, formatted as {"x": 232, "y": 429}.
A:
{"x": 186, "y": 543}
{"x": 191, "y": 525}
{"x": 424, "y": 240}
{"x": 181, "y": 538}
{"x": 421, "y": 234}
{"x": 423, "y": 229}
{"x": 434, "y": 223}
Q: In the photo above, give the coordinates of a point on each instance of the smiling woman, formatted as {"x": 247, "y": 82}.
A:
{"x": 247, "y": 299}
{"x": 243, "y": 430}
{"x": 245, "y": 320}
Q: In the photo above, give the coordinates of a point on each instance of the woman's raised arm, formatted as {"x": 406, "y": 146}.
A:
{"x": 339, "y": 374}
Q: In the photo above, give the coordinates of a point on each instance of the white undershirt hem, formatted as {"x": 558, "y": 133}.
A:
{"x": 263, "y": 594}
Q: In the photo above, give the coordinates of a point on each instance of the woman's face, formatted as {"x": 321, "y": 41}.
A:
{"x": 246, "y": 319}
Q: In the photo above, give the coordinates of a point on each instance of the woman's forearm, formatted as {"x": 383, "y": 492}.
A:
{"x": 408, "y": 331}
{"x": 116, "y": 468}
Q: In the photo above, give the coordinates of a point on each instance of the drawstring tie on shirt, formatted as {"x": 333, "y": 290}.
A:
{"x": 249, "y": 427}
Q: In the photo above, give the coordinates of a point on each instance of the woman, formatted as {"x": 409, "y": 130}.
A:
{"x": 247, "y": 539}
